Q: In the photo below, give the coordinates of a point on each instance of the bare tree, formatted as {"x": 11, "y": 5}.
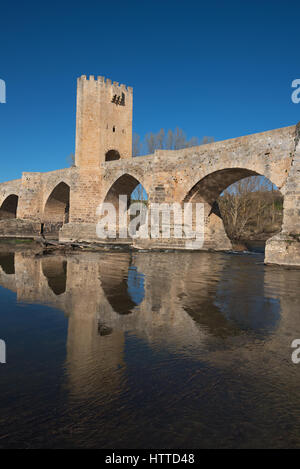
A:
{"x": 180, "y": 140}
{"x": 193, "y": 142}
{"x": 150, "y": 142}
{"x": 171, "y": 140}
{"x": 160, "y": 140}
{"x": 71, "y": 159}
{"x": 207, "y": 140}
{"x": 248, "y": 209}
{"x": 136, "y": 145}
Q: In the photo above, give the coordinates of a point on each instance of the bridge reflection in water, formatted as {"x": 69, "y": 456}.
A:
{"x": 212, "y": 308}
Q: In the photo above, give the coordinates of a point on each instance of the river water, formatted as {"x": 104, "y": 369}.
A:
{"x": 148, "y": 350}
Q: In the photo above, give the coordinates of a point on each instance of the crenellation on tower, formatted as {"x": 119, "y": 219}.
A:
{"x": 106, "y": 82}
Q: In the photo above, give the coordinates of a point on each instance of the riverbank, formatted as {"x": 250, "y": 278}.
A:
{"x": 46, "y": 246}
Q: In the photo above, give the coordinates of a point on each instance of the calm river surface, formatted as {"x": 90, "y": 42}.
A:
{"x": 144, "y": 350}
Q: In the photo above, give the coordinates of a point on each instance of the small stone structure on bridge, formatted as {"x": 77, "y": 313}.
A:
{"x": 64, "y": 202}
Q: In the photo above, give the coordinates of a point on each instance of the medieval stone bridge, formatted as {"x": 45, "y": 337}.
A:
{"x": 65, "y": 201}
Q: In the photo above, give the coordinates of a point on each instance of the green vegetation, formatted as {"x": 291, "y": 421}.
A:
{"x": 16, "y": 240}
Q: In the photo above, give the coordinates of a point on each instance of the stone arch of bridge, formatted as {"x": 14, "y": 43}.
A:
{"x": 9, "y": 207}
{"x": 207, "y": 191}
{"x": 57, "y": 206}
{"x": 123, "y": 185}
{"x": 227, "y": 170}
{"x": 208, "y": 188}
{"x": 131, "y": 189}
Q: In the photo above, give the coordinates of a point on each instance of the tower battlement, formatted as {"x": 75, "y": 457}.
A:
{"x": 103, "y": 121}
{"x": 102, "y": 81}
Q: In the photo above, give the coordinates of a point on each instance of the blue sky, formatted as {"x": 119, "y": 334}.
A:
{"x": 217, "y": 68}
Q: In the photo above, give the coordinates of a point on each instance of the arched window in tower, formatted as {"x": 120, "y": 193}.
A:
{"x": 112, "y": 155}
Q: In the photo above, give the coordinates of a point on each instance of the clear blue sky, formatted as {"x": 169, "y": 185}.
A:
{"x": 217, "y": 68}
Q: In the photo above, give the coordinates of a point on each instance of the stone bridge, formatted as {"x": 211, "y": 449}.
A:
{"x": 64, "y": 203}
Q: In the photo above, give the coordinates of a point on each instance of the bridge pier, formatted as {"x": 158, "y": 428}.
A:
{"x": 215, "y": 237}
{"x": 284, "y": 248}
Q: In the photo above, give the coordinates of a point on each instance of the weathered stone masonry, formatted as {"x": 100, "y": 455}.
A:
{"x": 64, "y": 202}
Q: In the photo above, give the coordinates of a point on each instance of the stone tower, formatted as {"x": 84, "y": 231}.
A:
{"x": 103, "y": 122}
